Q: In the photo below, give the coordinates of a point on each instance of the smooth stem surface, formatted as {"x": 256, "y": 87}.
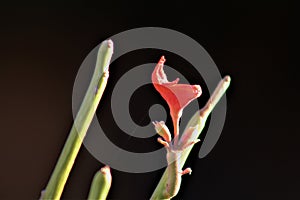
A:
{"x": 101, "y": 184}
{"x": 81, "y": 123}
{"x": 198, "y": 120}
{"x": 176, "y": 131}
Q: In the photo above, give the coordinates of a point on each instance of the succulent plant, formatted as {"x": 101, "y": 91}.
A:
{"x": 177, "y": 96}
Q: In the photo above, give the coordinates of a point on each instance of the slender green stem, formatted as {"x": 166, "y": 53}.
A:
{"x": 81, "y": 123}
{"x": 198, "y": 120}
{"x": 101, "y": 184}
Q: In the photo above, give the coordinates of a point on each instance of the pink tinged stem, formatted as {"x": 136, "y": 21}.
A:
{"x": 174, "y": 175}
{"x": 176, "y": 130}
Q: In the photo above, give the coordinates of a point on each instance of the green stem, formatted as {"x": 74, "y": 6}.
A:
{"x": 173, "y": 180}
{"x": 198, "y": 120}
{"x": 82, "y": 122}
{"x": 101, "y": 184}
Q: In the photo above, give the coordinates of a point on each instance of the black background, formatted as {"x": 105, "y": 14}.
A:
{"x": 43, "y": 44}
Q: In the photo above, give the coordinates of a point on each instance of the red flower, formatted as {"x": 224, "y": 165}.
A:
{"x": 178, "y": 96}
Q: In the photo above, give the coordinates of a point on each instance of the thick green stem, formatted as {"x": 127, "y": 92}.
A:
{"x": 81, "y": 123}
{"x": 101, "y": 184}
{"x": 198, "y": 120}
{"x": 174, "y": 175}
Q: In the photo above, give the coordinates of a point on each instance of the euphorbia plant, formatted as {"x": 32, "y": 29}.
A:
{"x": 81, "y": 124}
{"x": 177, "y": 96}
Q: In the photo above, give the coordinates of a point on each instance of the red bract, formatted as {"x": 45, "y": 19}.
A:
{"x": 178, "y": 96}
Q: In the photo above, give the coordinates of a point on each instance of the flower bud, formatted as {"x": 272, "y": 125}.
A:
{"x": 162, "y": 130}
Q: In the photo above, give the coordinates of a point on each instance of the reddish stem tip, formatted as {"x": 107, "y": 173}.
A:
{"x": 162, "y": 60}
{"x": 105, "y": 170}
{"x": 110, "y": 43}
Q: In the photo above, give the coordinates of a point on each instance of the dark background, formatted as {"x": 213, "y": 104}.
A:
{"x": 43, "y": 44}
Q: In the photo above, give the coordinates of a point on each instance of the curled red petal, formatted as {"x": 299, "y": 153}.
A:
{"x": 178, "y": 96}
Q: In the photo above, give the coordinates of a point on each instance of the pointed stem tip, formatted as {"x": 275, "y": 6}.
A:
{"x": 101, "y": 184}
{"x": 110, "y": 43}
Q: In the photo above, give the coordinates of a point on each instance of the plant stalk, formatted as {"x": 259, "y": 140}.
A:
{"x": 198, "y": 120}
{"x": 82, "y": 121}
{"x": 101, "y": 184}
